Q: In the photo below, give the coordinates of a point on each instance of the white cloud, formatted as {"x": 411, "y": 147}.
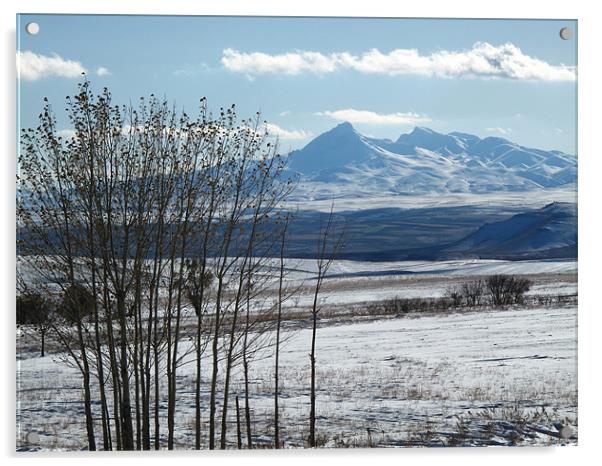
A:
{"x": 102, "y": 71}
{"x": 189, "y": 70}
{"x": 281, "y": 133}
{"x": 288, "y": 63}
{"x": 499, "y": 130}
{"x": 482, "y": 61}
{"x": 285, "y": 113}
{"x": 32, "y": 66}
{"x": 67, "y": 133}
{"x": 367, "y": 117}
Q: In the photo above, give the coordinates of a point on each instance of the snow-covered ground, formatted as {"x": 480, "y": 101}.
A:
{"x": 349, "y": 199}
{"x": 351, "y": 282}
{"x": 430, "y": 268}
{"x": 489, "y": 377}
{"x": 492, "y": 376}
{"x": 396, "y": 377}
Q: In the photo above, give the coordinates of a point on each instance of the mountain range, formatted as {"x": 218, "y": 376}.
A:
{"x": 345, "y": 162}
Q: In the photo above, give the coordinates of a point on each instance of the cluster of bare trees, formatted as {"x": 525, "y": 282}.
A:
{"x": 507, "y": 289}
{"x": 149, "y": 232}
{"x": 499, "y": 290}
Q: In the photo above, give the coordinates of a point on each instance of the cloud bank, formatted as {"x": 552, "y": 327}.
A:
{"x": 372, "y": 118}
{"x": 284, "y": 134}
{"x": 483, "y": 61}
{"x": 32, "y": 66}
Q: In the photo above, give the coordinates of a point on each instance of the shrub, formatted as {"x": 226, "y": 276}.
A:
{"x": 32, "y": 309}
{"x": 78, "y": 303}
{"x": 507, "y": 289}
{"x": 472, "y": 292}
{"x": 455, "y": 295}
{"x": 399, "y": 306}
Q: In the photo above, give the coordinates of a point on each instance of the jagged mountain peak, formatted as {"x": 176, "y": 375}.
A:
{"x": 427, "y": 138}
{"x": 344, "y": 126}
{"x": 335, "y": 148}
{"x": 419, "y": 133}
{"x": 342, "y": 130}
{"x": 423, "y": 130}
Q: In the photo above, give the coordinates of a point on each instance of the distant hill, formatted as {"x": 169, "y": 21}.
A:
{"x": 435, "y": 233}
{"x": 547, "y": 232}
{"x": 463, "y": 232}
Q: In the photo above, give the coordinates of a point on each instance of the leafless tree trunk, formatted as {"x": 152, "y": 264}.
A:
{"x": 245, "y": 362}
{"x": 278, "y": 325}
{"x": 330, "y": 242}
{"x": 238, "y": 432}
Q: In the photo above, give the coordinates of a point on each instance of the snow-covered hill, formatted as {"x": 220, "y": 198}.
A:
{"x": 344, "y": 162}
{"x": 550, "y": 232}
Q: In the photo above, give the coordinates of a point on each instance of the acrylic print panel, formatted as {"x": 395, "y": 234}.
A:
{"x": 247, "y": 232}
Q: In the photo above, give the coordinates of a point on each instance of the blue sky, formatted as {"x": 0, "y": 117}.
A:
{"x": 514, "y": 79}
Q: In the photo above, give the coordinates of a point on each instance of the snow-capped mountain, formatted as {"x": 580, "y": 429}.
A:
{"x": 344, "y": 162}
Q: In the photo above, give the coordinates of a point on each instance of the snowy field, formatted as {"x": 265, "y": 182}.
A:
{"x": 352, "y": 282}
{"x": 321, "y": 197}
{"x": 485, "y": 377}
{"x": 465, "y": 267}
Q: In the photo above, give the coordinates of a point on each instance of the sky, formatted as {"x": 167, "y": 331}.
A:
{"x": 508, "y": 78}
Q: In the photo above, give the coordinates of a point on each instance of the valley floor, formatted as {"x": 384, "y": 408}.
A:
{"x": 356, "y": 282}
{"x": 483, "y": 377}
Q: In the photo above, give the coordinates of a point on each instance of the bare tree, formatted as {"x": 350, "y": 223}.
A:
{"x": 278, "y": 327}
{"x": 329, "y": 244}
{"x": 473, "y": 292}
{"x": 34, "y": 311}
{"x": 145, "y": 213}
{"x": 454, "y": 293}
